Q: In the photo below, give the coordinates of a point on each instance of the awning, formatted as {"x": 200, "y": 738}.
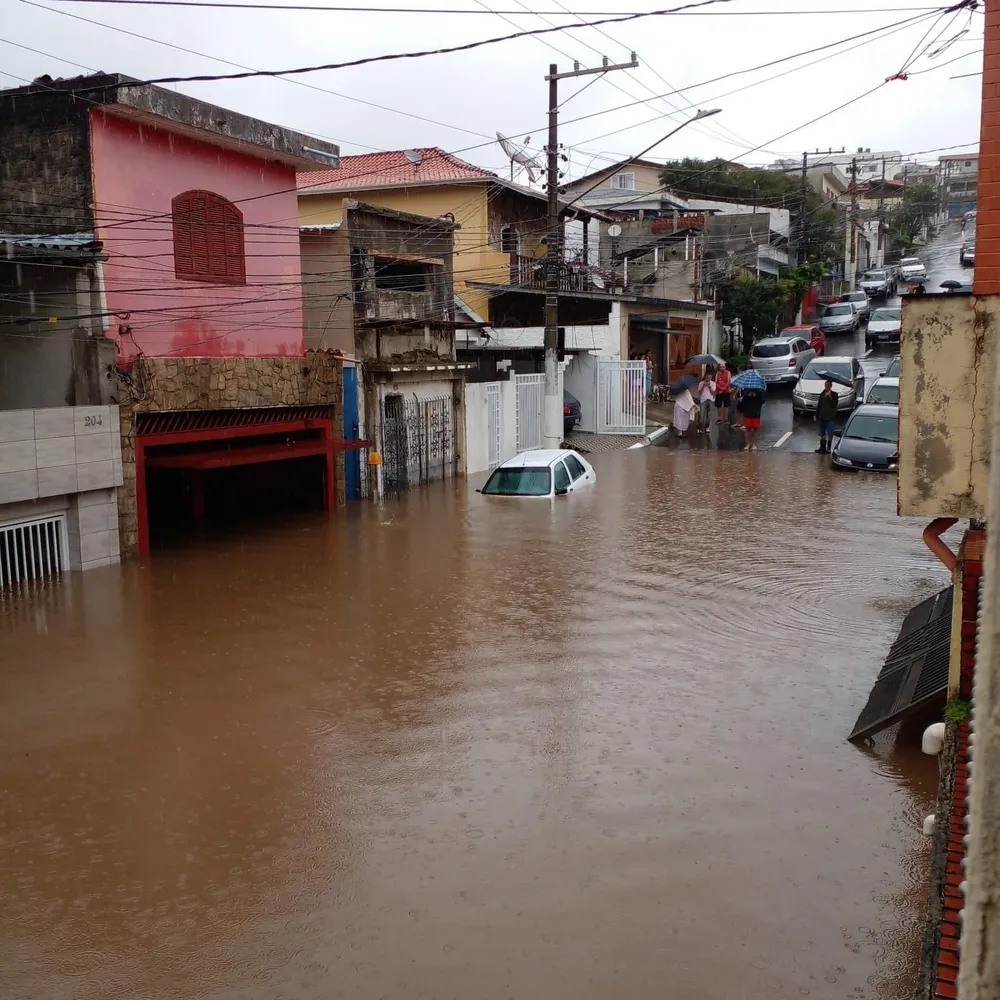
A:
{"x": 916, "y": 671}
{"x": 21, "y": 246}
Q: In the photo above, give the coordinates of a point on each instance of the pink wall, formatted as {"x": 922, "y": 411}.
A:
{"x": 137, "y": 171}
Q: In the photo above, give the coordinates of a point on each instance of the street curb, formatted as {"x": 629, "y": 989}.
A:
{"x": 650, "y": 438}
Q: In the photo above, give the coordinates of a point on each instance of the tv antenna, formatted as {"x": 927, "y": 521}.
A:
{"x": 521, "y": 156}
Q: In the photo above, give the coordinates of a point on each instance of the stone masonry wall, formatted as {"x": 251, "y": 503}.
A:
{"x": 221, "y": 384}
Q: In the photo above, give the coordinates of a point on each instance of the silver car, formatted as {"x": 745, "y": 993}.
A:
{"x": 883, "y": 327}
{"x": 781, "y": 359}
{"x": 841, "y": 317}
{"x": 805, "y": 395}
{"x": 860, "y": 302}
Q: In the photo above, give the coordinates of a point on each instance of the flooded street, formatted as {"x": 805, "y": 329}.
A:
{"x": 458, "y": 747}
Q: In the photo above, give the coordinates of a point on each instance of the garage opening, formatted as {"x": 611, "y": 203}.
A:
{"x": 218, "y": 472}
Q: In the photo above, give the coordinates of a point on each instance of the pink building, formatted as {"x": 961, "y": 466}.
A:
{"x": 158, "y": 274}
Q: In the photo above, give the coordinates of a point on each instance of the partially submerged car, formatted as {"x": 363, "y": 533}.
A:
{"x": 540, "y": 473}
{"x": 870, "y": 440}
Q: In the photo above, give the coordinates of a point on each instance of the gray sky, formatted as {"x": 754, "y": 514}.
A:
{"x": 501, "y": 87}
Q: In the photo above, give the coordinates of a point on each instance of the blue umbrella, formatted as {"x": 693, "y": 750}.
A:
{"x": 684, "y": 382}
{"x": 750, "y": 379}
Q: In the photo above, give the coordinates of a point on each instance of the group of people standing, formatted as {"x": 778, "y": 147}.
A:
{"x": 734, "y": 407}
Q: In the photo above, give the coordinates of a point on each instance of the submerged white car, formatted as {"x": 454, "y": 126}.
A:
{"x": 540, "y": 473}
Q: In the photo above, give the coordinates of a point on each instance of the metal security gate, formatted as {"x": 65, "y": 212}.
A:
{"x": 529, "y": 393}
{"x": 32, "y": 549}
{"x": 621, "y": 396}
{"x": 419, "y": 442}
{"x": 494, "y": 423}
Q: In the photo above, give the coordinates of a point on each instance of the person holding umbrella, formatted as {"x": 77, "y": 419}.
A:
{"x": 684, "y": 404}
{"x": 752, "y": 394}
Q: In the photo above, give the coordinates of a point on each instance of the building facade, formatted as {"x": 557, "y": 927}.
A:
{"x": 197, "y": 294}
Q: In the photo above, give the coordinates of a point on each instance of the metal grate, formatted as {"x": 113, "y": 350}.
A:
{"x": 179, "y": 421}
{"x": 529, "y": 393}
{"x": 30, "y": 550}
{"x": 916, "y": 669}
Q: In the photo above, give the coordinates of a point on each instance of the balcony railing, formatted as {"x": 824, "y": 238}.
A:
{"x": 529, "y": 272}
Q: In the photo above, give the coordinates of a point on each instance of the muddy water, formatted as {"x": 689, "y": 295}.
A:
{"x": 469, "y": 748}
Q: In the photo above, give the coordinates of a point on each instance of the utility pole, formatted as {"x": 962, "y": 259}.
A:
{"x": 552, "y": 415}
{"x": 804, "y": 217}
{"x": 854, "y": 210}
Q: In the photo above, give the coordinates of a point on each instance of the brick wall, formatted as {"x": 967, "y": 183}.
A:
{"x": 987, "y": 276}
{"x": 972, "y": 551}
{"x": 45, "y": 178}
{"x": 221, "y": 384}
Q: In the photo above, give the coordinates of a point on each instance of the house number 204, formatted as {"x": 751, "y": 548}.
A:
{"x": 93, "y": 421}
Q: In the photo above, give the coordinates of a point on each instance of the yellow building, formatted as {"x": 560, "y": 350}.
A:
{"x": 500, "y": 238}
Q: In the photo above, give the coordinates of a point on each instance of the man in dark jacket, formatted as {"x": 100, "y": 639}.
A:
{"x": 826, "y": 414}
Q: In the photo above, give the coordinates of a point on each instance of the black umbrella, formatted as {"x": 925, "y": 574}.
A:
{"x": 704, "y": 359}
{"x": 684, "y": 382}
{"x": 834, "y": 377}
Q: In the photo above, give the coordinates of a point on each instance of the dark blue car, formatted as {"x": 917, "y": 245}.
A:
{"x": 870, "y": 440}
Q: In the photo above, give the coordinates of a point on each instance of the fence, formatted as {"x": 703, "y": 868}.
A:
{"x": 32, "y": 549}
{"x": 530, "y": 391}
{"x": 621, "y": 396}
{"x": 419, "y": 442}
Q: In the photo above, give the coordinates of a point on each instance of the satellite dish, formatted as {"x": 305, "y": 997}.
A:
{"x": 614, "y": 230}
{"x": 520, "y": 156}
{"x": 413, "y": 156}
{"x": 597, "y": 281}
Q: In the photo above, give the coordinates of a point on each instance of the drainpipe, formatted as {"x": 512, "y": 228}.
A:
{"x": 932, "y": 539}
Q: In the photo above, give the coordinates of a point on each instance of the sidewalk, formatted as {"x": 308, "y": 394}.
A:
{"x": 657, "y": 420}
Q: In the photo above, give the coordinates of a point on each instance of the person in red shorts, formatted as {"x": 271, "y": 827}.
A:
{"x": 752, "y": 402}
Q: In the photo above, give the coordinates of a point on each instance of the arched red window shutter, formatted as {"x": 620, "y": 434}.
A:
{"x": 208, "y": 239}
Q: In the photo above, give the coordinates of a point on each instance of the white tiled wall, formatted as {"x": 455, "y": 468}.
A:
{"x": 58, "y": 451}
{"x": 70, "y": 452}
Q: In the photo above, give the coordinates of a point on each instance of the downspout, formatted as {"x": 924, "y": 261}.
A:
{"x": 932, "y": 539}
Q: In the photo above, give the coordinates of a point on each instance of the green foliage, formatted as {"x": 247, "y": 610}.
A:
{"x": 907, "y": 220}
{"x": 956, "y": 710}
{"x": 756, "y": 303}
{"x": 796, "y": 281}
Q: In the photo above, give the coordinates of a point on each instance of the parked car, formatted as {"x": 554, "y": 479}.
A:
{"x": 805, "y": 395}
{"x": 841, "y": 317}
{"x": 967, "y": 255}
{"x": 883, "y": 327}
{"x": 811, "y": 332}
{"x": 893, "y": 370}
{"x": 781, "y": 359}
{"x": 540, "y": 473}
{"x": 571, "y": 411}
{"x": 870, "y": 440}
{"x": 884, "y": 390}
{"x": 860, "y": 302}
{"x": 877, "y": 284}
{"x": 912, "y": 268}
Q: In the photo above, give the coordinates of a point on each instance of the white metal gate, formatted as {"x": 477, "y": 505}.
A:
{"x": 621, "y": 396}
{"x": 32, "y": 549}
{"x": 494, "y": 423}
{"x": 529, "y": 393}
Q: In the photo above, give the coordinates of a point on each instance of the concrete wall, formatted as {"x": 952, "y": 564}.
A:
{"x": 948, "y": 350}
{"x": 477, "y": 424}
{"x": 326, "y": 291}
{"x": 45, "y": 363}
{"x": 143, "y": 168}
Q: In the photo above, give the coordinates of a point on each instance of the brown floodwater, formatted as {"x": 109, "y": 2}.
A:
{"x": 459, "y": 747}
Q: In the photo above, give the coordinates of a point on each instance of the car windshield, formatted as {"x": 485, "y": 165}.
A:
{"x": 893, "y": 370}
{"x": 910, "y": 262}
{"x": 855, "y": 297}
{"x": 813, "y": 369}
{"x": 886, "y": 315}
{"x": 519, "y": 482}
{"x": 770, "y": 350}
{"x": 843, "y": 310}
{"x": 884, "y": 392}
{"x": 874, "y": 276}
{"x": 872, "y": 427}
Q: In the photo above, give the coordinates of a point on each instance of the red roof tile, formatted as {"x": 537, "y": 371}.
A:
{"x": 392, "y": 169}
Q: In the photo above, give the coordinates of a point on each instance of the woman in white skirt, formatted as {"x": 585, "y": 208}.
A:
{"x": 684, "y": 407}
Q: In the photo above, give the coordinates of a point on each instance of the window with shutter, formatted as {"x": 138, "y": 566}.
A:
{"x": 208, "y": 239}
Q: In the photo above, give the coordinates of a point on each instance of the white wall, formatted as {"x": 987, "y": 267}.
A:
{"x": 604, "y": 338}
{"x": 477, "y": 445}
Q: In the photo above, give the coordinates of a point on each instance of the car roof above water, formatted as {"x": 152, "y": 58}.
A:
{"x": 877, "y": 410}
{"x": 539, "y": 458}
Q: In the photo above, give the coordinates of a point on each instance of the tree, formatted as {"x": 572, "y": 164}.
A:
{"x": 796, "y": 282}
{"x": 756, "y": 304}
{"x": 921, "y": 203}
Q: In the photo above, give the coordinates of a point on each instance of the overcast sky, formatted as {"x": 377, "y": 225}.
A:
{"x": 501, "y": 87}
